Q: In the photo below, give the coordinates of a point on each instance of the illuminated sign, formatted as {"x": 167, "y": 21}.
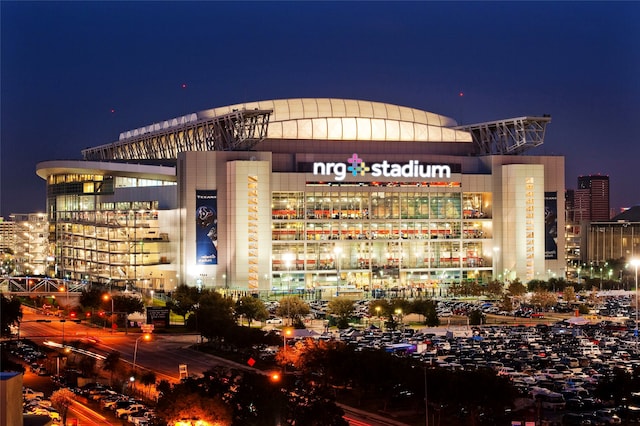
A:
{"x": 356, "y": 166}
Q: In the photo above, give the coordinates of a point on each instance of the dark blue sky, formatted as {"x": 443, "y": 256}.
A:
{"x": 65, "y": 66}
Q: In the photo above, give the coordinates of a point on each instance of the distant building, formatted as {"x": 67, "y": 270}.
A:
{"x": 591, "y": 199}
{"x": 30, "y": 243}
{"x": 7, "y": 235}
{"x": 612, "y": 242}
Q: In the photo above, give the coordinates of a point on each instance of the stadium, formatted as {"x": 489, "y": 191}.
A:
{"x": 314, "y": 196}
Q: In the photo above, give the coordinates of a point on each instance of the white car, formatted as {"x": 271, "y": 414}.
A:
{"x": 274, "y": 320}
{"x": 124, "y": 412}
{"x": 28, "y": 394}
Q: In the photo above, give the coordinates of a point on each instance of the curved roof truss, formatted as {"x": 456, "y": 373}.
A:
{"x": 239, "y": 130}
{"x": 509, "y": 136}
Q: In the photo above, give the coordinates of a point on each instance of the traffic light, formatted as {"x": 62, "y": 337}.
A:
{"x": 88, "y": 315}
{"x": 72, "y": 314}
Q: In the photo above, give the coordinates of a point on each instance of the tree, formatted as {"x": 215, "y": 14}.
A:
{"x": 61, "y": 400}
{"x": 252, "y": 308}
{"x": 10, "y": 314}
{"x": 569, "y": 295}
{"x": 183, "y": 300}
{"x": 92, "y": 298}
{"x": 111, "y": 362}
{"x": 476, "y": 317}
{"x": 87, "y": 365}
{"x": 427, "y": 308}
{"x": 181, "y": 402}
{"x": 293, "y": 308}
{"x": 516, "y": 288}
{"x": 592, "y": 299}
{"x": 506, "y": 304}
{"x": 495, "y": 288}
{"x": 544, "y": 299}
{"x": 342, "y": 308}
{"x": 215, "y": 314}
{"x": 128, "y": 304}
{"x": 7, "y": 261}
{"x": 147, "y": 379}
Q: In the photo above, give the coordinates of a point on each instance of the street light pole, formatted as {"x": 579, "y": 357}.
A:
{"x": 135, "y": 350}
{"x": 337, "y": 251}
{"x": 635, "y": 263}
{"x": 286, "y": 332}
{"x": 105, "y": 298}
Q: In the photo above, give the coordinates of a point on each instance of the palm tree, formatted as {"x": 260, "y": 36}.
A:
{"x": 110, "y": 363}
{"x": 148, "y": 378}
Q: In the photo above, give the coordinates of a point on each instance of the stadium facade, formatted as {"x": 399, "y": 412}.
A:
{"x": 332, "y": 196}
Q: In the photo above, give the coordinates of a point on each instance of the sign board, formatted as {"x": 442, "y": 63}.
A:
{"x": 147, "y": 328}
{"x": 158, "y": 317}
{"x": 182, "y": 370}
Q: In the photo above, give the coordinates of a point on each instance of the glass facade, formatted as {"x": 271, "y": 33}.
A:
{"x": 104, "y": 241}
{"x": 373, "y": 239}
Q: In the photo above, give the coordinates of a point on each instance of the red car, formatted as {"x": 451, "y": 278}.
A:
{"x": 537, "y": 315}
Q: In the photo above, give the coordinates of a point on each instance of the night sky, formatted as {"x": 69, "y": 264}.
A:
{"x": 76, "y": 74}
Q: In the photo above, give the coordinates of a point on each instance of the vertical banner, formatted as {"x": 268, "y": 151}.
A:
{"x": 550, "y": 225}
{"x": 206, "y": 227}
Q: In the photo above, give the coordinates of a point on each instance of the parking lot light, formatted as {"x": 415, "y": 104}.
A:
{"x": 635, "y": 262}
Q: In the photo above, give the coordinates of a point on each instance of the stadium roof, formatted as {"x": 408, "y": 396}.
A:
{"x": 241, "y": 127}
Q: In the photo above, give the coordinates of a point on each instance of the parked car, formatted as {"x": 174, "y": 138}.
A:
{"x": 274, "y": 320}
{"x": 124, "y": 412}
{"x": 28, "y": 394}
{"x": 607, "y": 417}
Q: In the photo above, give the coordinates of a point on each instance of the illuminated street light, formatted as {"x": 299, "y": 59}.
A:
{"x": 635, "y": 263}
{"x": 146, "y": 337}
{"x": 285, "y": 332}
{"x": 105, "y": 298}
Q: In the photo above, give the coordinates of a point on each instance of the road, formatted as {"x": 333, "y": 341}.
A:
{"x": 162, "y": 354}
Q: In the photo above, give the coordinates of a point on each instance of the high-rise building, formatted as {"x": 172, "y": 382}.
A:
{"x": 7, "y": 235}
{"x": 31, "y": 245}
{"x": 591, "y": 199}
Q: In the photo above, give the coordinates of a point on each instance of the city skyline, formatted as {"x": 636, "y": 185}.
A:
{"x": 76, "y": 75}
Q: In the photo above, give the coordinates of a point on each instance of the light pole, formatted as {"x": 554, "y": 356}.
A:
{"x": 337, "y": 251}
{"x": 146, "y": 337}
{"x": 286, "y": 332}
{"x": 635, "y": 263}
{"x": 105, "y": 298}
{"x": 579, "y": 269}
{"x": 288, "y": 258}
{"x": 601, "y": 279}
{"x": 399, "y": 316}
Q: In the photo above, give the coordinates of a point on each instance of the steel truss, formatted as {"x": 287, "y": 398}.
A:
{"x": 26, "y": 286}
{"x": 239, "y": 130}
{"x": 510, "y": 136}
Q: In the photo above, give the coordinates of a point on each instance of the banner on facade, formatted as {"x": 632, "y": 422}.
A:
{"x": 550, "y": 225}
{"x": 206, "y": 227}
